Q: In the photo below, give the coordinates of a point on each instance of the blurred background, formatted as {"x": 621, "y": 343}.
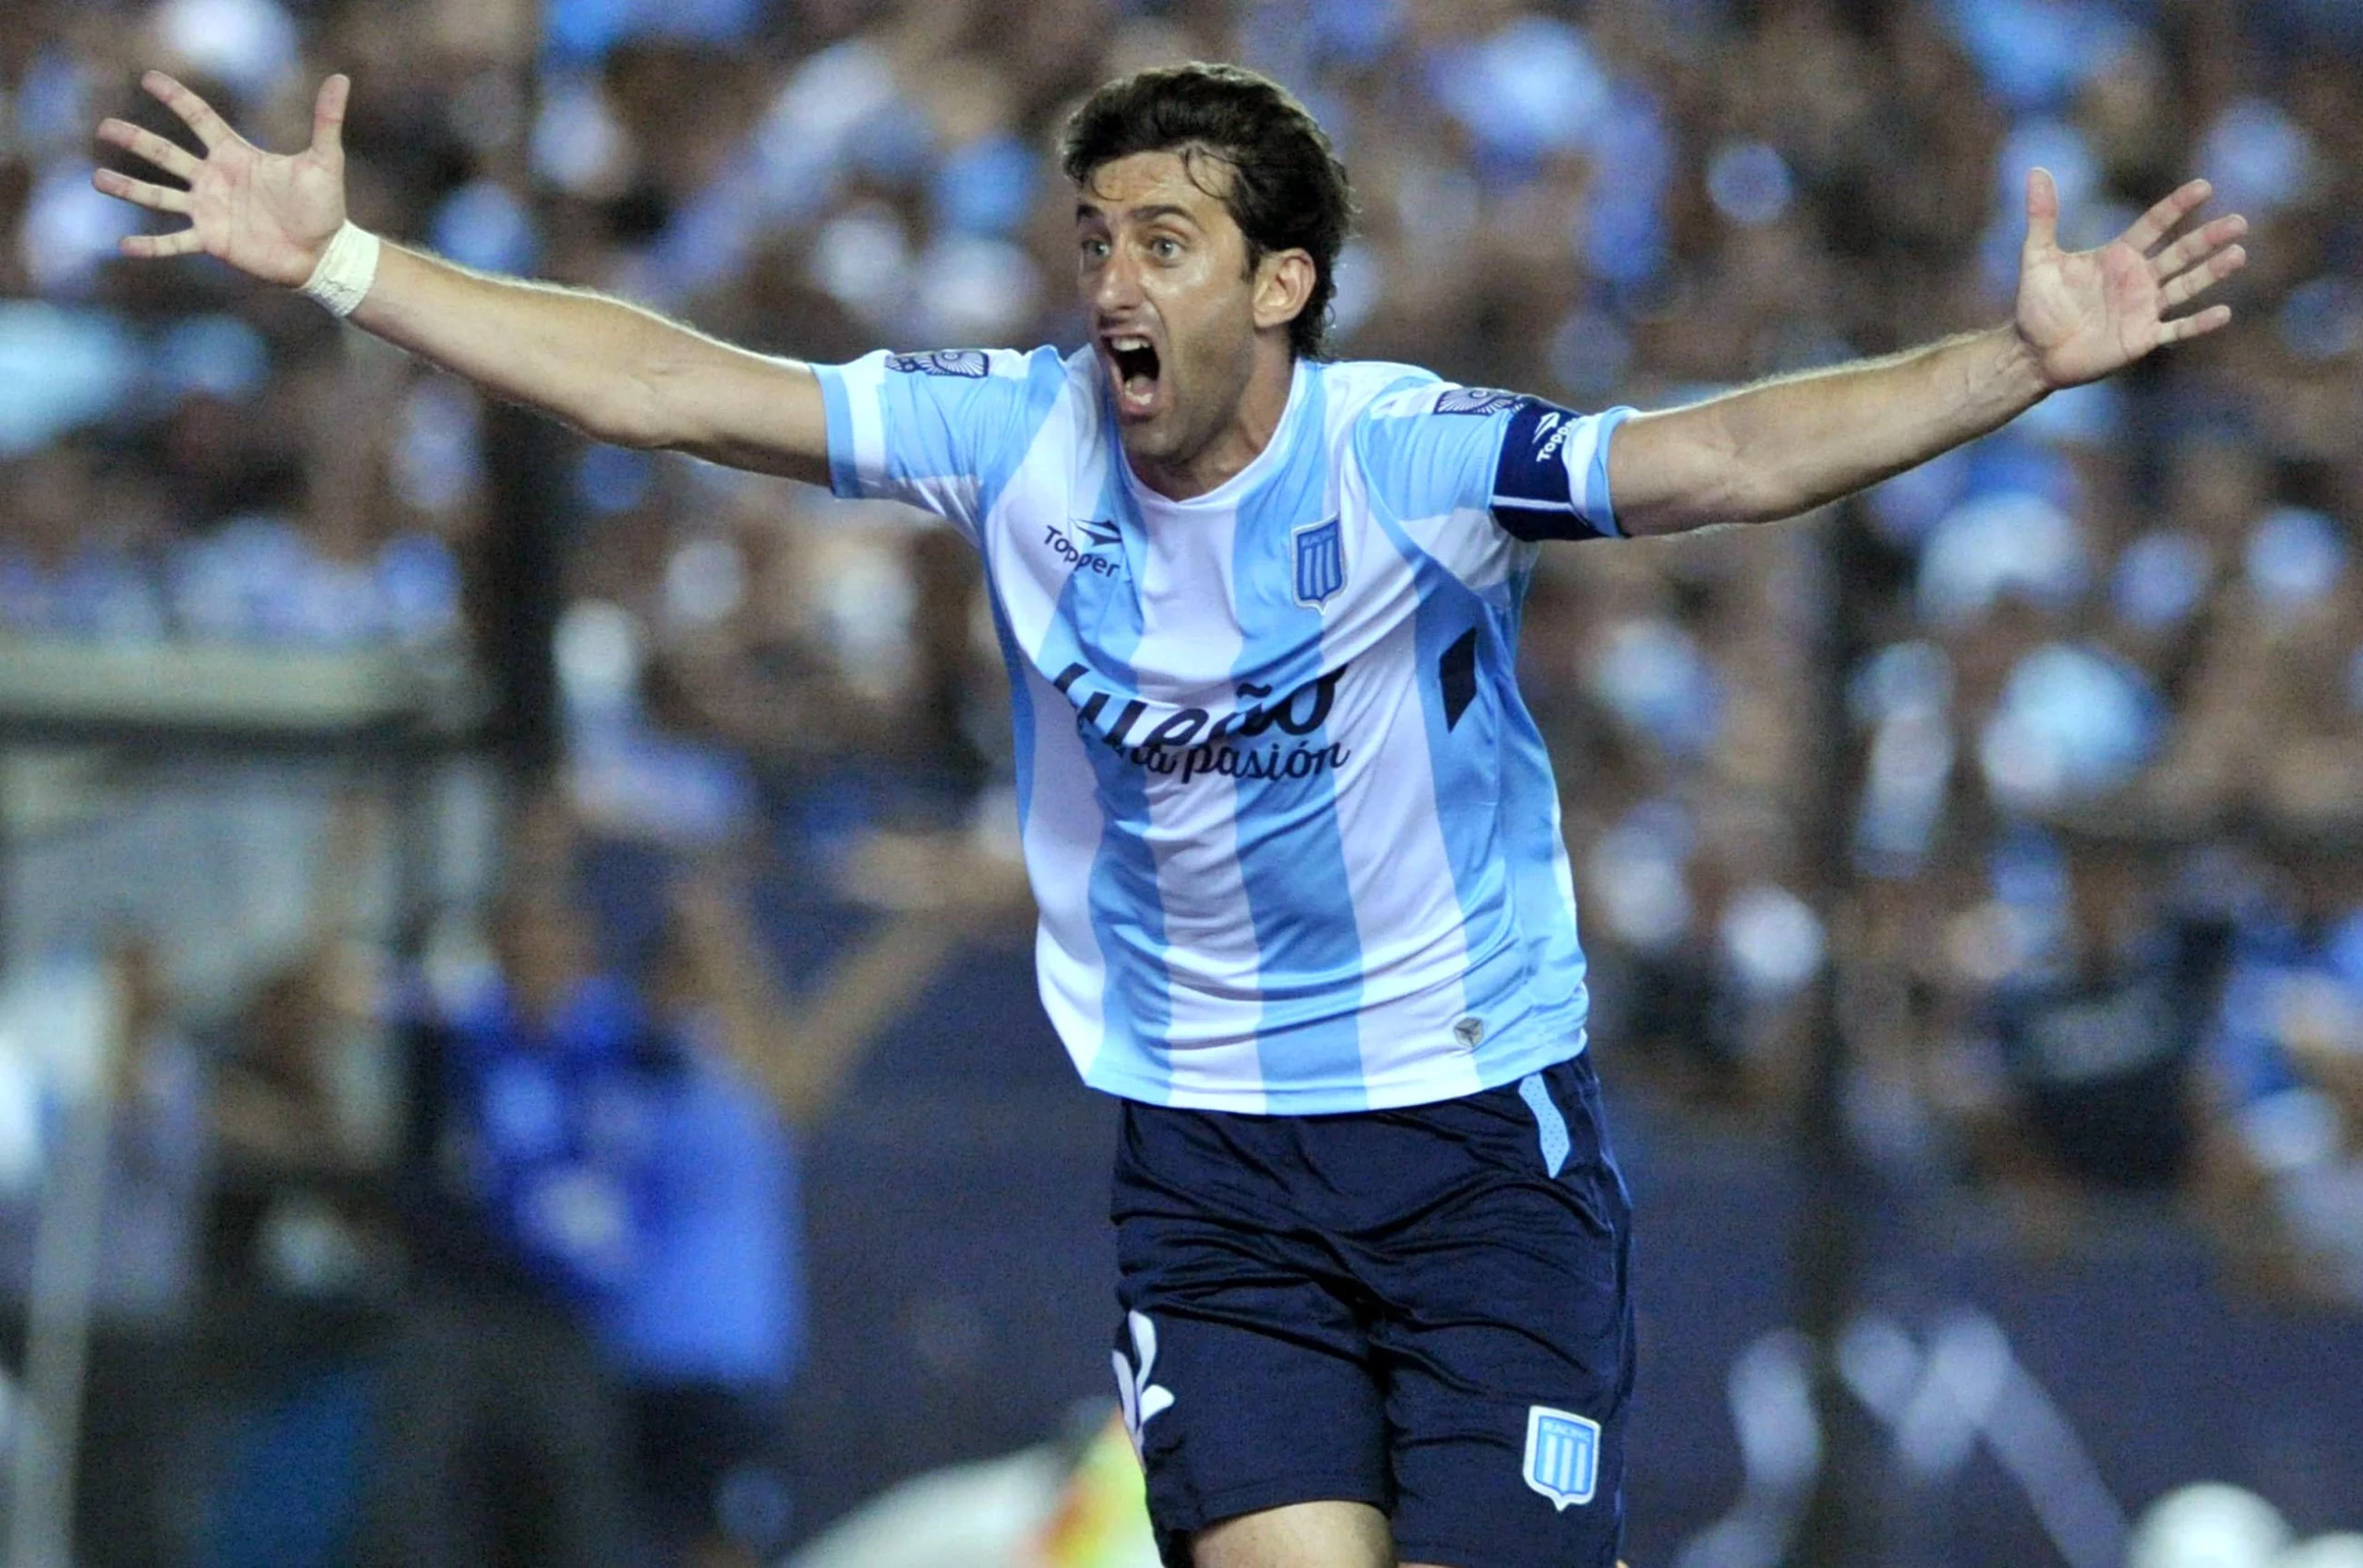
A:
{"x": 517, "y": 1033}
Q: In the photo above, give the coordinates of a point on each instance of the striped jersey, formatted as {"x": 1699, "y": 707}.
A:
{"x": 1291, "y": 829}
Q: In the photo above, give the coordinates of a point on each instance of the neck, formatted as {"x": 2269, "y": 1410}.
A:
{"x": 1254, "y": 421}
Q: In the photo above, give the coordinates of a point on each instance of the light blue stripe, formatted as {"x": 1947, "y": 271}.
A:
{"x": 1465, "y": 760}
{"x": 1127, "y": 907}
{"x": 935, "y": 428}
{"x": 1425, "y": 464}
{"x": 1292, "y": 854}
{"x": 980, "y": 426}
{"x": 1020, "y": 699}
{"x": 835, "y": 403}
{"x": 1548, "y": 1122}
{"x": 1459, "y": 755}
{"x": 1529, "y": 807}
{"x": 1046, "y": 383}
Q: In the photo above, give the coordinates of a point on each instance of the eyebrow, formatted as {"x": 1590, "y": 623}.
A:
{"x": 1138, "y": 214}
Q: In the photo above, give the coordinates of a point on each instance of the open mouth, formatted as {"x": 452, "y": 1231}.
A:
{"x": 1135, "y": 364}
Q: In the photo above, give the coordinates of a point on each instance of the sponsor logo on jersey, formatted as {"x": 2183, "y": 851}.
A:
{"x": 1261, "y": 737}
{"x": 1468, "y": 1030}
{"x": 1561, "y": 1455}
{"x": 1320, "y": 562}
{"x": 970, "y": 363}
{"x": 1475, "y": 400}
{"x": 1085, "y": 557}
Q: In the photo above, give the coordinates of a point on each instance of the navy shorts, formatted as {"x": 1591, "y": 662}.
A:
{"x": 1426, "y": 1310}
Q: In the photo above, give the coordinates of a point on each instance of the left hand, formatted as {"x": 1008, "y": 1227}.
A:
{"x": 2086, "y": 314}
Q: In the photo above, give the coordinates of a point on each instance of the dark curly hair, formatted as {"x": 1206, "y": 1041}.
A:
{"x": 1287, "y": 189}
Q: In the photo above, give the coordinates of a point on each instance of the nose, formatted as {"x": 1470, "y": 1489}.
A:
{"x": 1115, "y": 287}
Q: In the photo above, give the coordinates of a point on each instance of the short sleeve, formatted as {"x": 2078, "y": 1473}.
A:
{"x": 941, "y": 431}
{"x": 1541, "y": 470}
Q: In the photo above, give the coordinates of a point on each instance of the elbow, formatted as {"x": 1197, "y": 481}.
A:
{"x": 628, "y": 413}
{"x": 643, "y": 403}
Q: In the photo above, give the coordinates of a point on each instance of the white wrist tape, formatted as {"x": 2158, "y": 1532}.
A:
{"x": 346, "y": 270}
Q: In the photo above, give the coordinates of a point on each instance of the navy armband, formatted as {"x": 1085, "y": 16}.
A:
{"x": 1537, "y": 493}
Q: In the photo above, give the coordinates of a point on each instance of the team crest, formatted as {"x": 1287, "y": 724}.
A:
{"x": 970, "y": 363}
{"x": 1320, "y": 562}
{"x": 1561, "y": 1455}
{"x": 1474, "y": 400}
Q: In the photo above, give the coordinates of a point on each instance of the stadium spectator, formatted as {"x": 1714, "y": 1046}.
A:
{"x": 2286, "y": 1161}
{"x": 502, "y": 1439}
{"x": 710, "y": 1326}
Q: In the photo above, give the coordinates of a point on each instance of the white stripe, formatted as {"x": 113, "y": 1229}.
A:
{"x": 1063, "y": 820}
{"x": 865, "y": 381}
{"x": 1578, "y": 452}
{"x": 1189, "y": 645}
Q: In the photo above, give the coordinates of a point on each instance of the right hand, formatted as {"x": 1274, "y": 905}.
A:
{"x": 269, "y": 216}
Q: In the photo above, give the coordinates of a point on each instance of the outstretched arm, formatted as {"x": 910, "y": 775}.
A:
{"x": 1791, "y": 445}
{"x": 610, "y": 369}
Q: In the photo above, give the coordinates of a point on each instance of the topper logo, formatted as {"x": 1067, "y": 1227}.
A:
{"x": 1085, "y": 557}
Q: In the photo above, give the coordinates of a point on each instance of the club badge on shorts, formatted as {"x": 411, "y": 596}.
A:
{"x": 1562, "y": 1455}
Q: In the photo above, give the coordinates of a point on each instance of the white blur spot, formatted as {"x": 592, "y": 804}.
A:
{"x": 69, "y": 229}
{"x": 578, "y": 145}
{"x": 2344, "y": 1550}
{"x": 976, "y": 290}
{"x": 1772, "y": 939}
{"x": 598, "y": 651}
{"x": 2208, "y": 1525}
{"x": 706, "y": 582}
{"x": 863, "y": 261}
{"x": 248, "y": 44}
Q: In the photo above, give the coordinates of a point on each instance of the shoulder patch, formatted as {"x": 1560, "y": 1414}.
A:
{"x": 1475, "y": 400}
{"x": 970, "y": 363}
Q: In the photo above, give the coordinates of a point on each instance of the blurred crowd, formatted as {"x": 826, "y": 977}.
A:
{"x": 2096, "y": 917}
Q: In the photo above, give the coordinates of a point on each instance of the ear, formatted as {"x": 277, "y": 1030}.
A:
{"x": 1284, "y": 280}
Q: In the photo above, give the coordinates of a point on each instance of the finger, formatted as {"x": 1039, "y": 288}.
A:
{"x": 177, "y": 161}
{"x": 180, "y": 242}
{"x": 211, "y": 128}
{"x": 2199, "y": 280}
{"x": 2156, "y": 223}
{"x": 2197, "y": 326}
{"x": 162, "y": 199}
{"x": 2195, "y": 246}
{"x": 328, "y": 115}
{"x": 2043, "y": 211}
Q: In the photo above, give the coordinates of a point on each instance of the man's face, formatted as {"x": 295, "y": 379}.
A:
{"x": 1164, "y": 275}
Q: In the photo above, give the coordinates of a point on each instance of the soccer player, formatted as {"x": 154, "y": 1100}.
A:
{"x": 1292, "y": 830}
